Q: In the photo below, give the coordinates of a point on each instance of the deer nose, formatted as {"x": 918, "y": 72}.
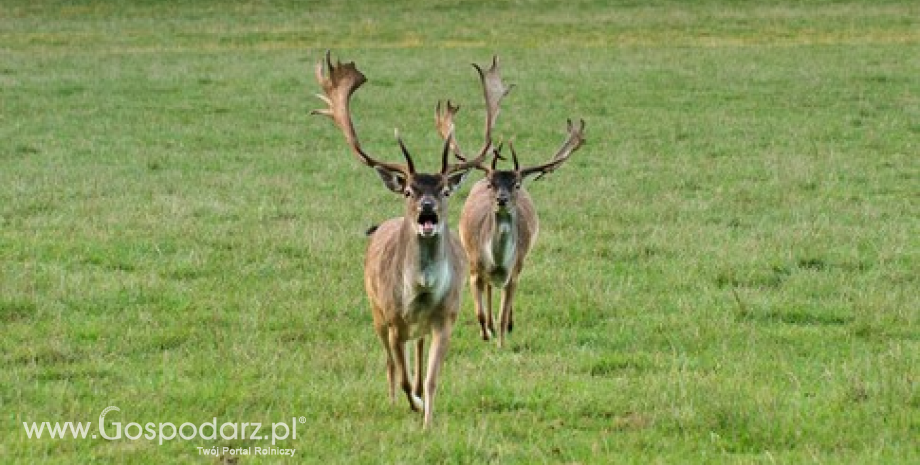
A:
{"x": 427, "y": 205}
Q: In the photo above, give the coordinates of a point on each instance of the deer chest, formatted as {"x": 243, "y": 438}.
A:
{"x": 428, "y": 288}
{"x": 501, "y": 255}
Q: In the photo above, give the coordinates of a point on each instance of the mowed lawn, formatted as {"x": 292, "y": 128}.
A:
{"x": 727, "y": 272}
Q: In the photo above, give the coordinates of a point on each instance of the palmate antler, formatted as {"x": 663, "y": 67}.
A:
{"x": 342, "y": 81}
{"x": 572, "y": 143}
{"x": 575, "y": 139}
{"x": 493, "y": 90}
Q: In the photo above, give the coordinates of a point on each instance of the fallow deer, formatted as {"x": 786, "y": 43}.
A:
{"x": 414, "y": 268}
{"x": 499, "y": 225}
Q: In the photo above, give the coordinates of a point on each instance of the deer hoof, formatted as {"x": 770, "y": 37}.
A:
{"x": 418, "y": 404}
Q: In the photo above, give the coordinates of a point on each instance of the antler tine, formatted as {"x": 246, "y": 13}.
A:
{"x": 497, "y": 155}
{"x": 572, "y": 143}
{"x": 444, "y": 121}
{"x": 448, "y": 142}
{"x": 514, "y": 157}
{"x": 405, "y": 152}
{"x": 342, "y": 81}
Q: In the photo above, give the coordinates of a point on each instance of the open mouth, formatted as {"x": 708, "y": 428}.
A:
{"x": 428, "y": 224}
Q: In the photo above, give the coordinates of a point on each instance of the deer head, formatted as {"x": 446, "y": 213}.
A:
{"x": 426, "y": 194}
{"x": 505, "y": 184}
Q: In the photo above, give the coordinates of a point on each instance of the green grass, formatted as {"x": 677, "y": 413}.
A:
{"x": 726, "y": 273}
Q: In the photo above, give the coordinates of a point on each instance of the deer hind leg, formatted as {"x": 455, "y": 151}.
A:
{"x": 418, "y": 388}
{"x": 506, "y": 306}
{"x": 397, "y": 348}
{"x": 484, "y": 314}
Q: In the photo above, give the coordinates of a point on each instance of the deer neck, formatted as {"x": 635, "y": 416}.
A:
{"x": 504, "y": 235}
{"x": 427, "y": 268}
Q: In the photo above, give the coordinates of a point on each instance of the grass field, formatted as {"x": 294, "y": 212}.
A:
{"x": 726, "y": 273}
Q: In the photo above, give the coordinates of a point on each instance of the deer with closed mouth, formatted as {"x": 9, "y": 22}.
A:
{"x": 499, "y": 223}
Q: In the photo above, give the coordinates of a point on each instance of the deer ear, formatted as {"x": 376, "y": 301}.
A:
{"x": 395, "y": 181}
{"x": 455, "y": 179}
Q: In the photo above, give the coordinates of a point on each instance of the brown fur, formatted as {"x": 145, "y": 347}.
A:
{"x": 392, "y": 253}
{"x": 405, "y": 307}
{"x": 500, "y": 199}
{"x": 415, "y": 266}
{"x": 477, "y": 229}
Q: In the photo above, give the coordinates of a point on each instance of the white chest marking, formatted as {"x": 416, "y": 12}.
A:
{"x": 429, "y": 285}
{"x": 501, "y": 251}
{"x": 434, "y": 279}
{"x": 425, "y": 290}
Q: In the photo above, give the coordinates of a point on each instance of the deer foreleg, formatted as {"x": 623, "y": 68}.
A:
{"x": 440, "y": 340}
{"x": 506, "y": 305}
{"x": 478, "y": 285}
{"x": 397, "y": 349}
{"x": 489, "y": 318}
{"x": 417, "y": 388}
